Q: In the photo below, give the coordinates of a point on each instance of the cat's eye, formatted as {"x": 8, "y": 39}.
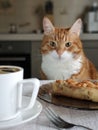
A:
{"x": 53, "y": 44}
{"x": 68, "y": 44}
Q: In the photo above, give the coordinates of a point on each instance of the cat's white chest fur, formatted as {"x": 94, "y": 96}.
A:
{"x": 63, "y": 67}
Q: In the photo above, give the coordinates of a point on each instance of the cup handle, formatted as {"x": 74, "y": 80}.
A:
{"x": 36, "y": 84}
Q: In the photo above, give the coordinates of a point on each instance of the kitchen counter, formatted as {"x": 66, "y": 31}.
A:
{"x": 89, "y": 36}
{"x": 38, "y": 37}
{"x": 21, "y": 37}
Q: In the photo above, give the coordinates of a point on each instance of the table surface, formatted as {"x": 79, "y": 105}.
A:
{"x": 83, "y": 117}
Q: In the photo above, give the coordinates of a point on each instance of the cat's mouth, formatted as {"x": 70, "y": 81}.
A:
{"x": 60, "y": 58}
{"x": 64, "y": 56}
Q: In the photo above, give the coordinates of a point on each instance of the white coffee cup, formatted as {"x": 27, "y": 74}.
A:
{"x": 11, "y": 84}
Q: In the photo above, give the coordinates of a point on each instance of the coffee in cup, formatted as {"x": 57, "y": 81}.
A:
{"x": 4, "y": 70}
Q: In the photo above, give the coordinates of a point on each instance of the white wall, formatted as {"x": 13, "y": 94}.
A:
{"x": 67, "y": 11}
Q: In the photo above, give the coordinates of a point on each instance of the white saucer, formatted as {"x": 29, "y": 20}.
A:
{"x": 24, "y": 116}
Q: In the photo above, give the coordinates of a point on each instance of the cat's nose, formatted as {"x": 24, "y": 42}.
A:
{"x": 59, "y": 52}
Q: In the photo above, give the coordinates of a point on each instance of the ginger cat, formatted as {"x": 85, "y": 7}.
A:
{"x": 62, "y": 54}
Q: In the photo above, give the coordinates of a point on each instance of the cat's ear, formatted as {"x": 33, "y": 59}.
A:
{"x": 76, "y": 27}
{"x": 47, "y": 26}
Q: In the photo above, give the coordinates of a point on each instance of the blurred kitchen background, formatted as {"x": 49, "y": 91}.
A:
{"x": 26, "y": 15}
{"x": 21, "y": 29}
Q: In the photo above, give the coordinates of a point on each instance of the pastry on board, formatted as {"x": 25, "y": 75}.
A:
{"x": 85, "y": 90}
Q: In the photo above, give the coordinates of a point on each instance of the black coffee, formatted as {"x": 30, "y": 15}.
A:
{"x": 4, "y": 70}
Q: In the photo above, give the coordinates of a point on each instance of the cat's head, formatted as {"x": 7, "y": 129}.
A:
{"x": 61, "y": 41}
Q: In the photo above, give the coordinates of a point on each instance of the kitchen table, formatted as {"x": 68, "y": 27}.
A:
{"x": 84, "y": 117}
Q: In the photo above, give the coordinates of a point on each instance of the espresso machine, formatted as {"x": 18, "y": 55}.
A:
{"x": 91, "y": 19}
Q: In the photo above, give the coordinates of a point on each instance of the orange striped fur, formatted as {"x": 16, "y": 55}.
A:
{"x": 62, "y": 53}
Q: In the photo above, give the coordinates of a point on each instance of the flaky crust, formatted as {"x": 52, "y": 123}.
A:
{"x": 85, "y": 90}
